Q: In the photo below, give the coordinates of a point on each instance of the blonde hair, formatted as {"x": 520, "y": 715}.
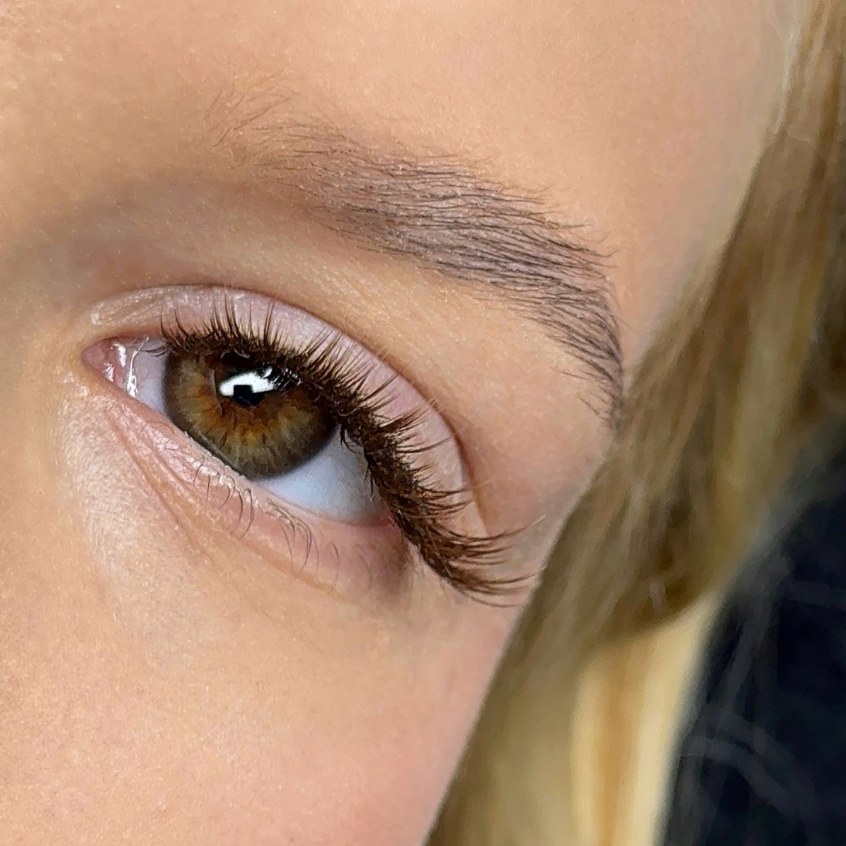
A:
{"x": 747, "y": 369}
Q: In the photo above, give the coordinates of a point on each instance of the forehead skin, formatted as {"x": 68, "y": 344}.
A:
{"x": 639, "y": 121}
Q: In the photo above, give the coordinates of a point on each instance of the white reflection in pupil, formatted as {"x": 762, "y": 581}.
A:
{"x": 248, "y": 388}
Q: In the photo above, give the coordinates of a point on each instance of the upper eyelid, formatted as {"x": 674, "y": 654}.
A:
{"x": 147, "y": 309}
{"x": 143, "y": 311}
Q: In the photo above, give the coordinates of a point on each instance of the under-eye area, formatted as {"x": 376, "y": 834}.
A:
{"x": 296, "y": 421}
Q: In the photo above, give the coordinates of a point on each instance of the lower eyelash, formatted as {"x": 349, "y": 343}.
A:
{"x": 188, "y": 463}
{"x": 423, "y": 513}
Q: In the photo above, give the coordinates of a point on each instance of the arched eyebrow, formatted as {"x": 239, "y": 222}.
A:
{"x": 446, "y": 216}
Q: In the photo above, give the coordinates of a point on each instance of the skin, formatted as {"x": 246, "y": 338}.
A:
{"x": 163, "y": 680}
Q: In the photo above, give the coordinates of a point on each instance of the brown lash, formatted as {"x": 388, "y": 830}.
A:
{"x": 421, "y": 511}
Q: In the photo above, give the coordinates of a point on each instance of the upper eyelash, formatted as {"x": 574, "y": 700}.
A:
{"x": 420, "y": 510}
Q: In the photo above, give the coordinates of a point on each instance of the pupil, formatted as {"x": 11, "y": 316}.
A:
{"x": 245, "y": 396}
{"x": 248, "y": 388}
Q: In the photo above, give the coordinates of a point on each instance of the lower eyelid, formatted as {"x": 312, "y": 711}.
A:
{"x": 357, "y": 562}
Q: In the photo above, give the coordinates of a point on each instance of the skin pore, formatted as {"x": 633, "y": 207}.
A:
{"x": 169, "y": 674}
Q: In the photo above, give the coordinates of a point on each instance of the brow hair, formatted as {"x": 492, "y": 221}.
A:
{"x": 447, "y": 217}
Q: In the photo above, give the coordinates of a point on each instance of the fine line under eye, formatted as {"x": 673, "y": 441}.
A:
{"x": 338, "y": 380}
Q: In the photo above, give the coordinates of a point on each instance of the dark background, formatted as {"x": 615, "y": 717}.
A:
{"x": 763, "y": 760}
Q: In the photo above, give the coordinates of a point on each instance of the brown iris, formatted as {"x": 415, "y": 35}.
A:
{"x": 257, "y": 418}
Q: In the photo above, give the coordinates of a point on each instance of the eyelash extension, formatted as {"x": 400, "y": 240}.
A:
{"x": 420, "y": 510}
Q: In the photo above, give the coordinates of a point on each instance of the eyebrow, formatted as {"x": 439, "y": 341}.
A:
{"x": 446, "y": 216}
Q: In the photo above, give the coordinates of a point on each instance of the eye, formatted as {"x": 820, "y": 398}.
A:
{"x": 312, "y": 420}
{"x": 262, "y": 421}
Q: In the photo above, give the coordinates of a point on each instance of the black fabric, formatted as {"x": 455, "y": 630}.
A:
{"x": 763, "y": 761}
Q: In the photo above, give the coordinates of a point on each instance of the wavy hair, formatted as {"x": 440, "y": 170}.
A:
{"x": 574, "y": 744}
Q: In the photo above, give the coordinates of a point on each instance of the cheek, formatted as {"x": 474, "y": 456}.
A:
{"x": 348, "y": 764}
{"x": 105, "y": 745}
{"x": 158, "y": 692}
{"x": 329, "y": 762}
